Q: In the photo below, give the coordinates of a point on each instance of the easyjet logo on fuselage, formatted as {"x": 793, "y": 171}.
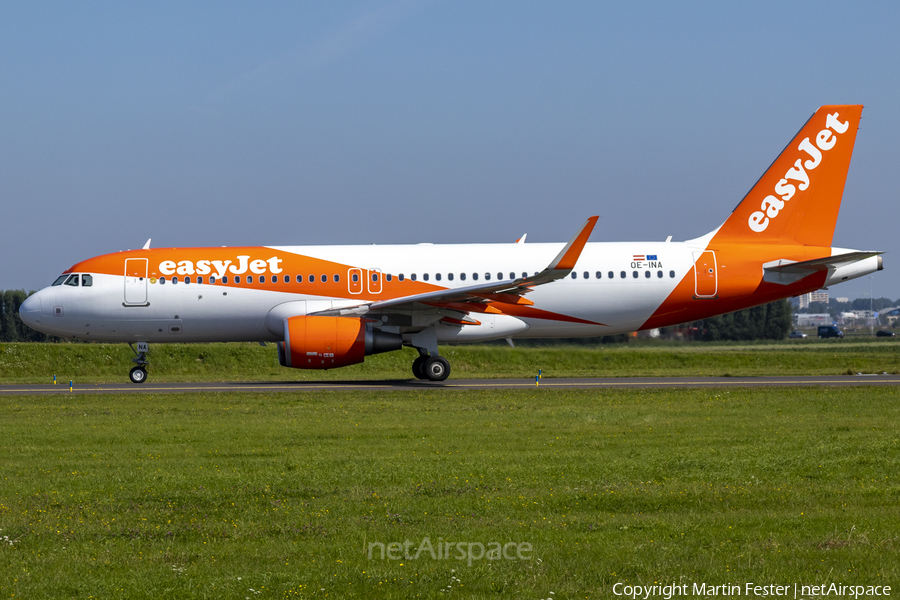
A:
{"x": 221, "y": 267}
{"x": 772, "y": 205}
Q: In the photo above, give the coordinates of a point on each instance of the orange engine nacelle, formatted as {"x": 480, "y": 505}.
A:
{"x": 331, "y": 342}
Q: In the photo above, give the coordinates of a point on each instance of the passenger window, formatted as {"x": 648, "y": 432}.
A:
{"x": 324, "y": 279}
{"x": 225, "y": 279}
{"x": 425, "y": 277}
{"x": 262, "y": 279}
{"x": 487, "y": 276}
{"x": 72, "y": 280}
{"x": 524, "y": 274}
{"x": 586, "y": 275}
{"x": 237, "y": 279}
{"x": 646, "y": 274}
{"x": 212, "y": 279}
{"x": 249, "y": 278}
{"x": 634, "y": 274}
{"x": 400, "y": 276}
{"x": 162, "y": 281}
{"x": 299, "y": 278}
{"x": 611, "y": 275}
{"x": 199, "y": 280}
{"x": 413, "y": 276}
{"x": 462, "y": 276}
{"x": 59, "y": 280}
{"x": 474, "y": 276}
{"x": 574, "y": 275}
{"x": 622, "y": 274}
{"x": 659, "y": 274}
{"x": 312, "y": 278}
{"x": 499, "y": 276}
{"x": 188, "y": 279}
{"x": 355, "y": 278}
{"x": 512, "y": 275}
{"x": 450, "y": 276}
{"x": 389, "y": 277}
{"x": 287, "y": 278}
{"x": 672, "y": 274}
{"x": 337, "y": 278}
{"x": 175, "y": 280}
{"x": 375, "y": 277}
{"x": 437, "y": 276}
{"x": 598, "y": 275}
{"x": 87, "y": 281}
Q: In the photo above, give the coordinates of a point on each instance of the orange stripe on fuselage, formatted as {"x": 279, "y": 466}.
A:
{"x": 187, "y": 261}
{"x": 740, "y": 283}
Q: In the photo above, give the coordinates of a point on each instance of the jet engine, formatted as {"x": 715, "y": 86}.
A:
{"x": 331, "y": 342}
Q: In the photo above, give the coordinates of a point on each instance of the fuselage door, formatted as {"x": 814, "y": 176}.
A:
{"x": 374, "y": 281}
{"x": 355, "y": 281}
{"x": 706, "y": 280}
{"x": 136, "y": 281}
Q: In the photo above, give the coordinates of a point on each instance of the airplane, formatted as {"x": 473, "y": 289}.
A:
{"x": 331, "y": 306}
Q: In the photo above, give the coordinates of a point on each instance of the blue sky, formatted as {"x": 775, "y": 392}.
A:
{"x": 399, "y": 122}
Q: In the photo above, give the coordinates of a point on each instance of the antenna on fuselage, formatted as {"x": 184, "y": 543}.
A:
{"x": 147, "y": 245}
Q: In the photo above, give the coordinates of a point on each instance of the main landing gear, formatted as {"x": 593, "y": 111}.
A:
{"x": 432, "y": 368}
{"x": 138, "y": 374}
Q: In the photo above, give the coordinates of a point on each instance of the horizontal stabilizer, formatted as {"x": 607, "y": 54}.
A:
{"x": 787, "y": 271}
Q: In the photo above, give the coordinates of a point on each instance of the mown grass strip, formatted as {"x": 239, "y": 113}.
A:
{"x": 209, "y": 496}
{"x": 104, "y": 363}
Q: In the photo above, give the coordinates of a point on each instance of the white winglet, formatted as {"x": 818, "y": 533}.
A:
{"x": 147, "y": 245}
{"x": 521, "y": 240}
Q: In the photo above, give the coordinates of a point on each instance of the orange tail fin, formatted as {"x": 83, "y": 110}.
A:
{"x": 797, "y": 200}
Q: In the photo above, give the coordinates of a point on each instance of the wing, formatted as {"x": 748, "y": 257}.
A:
{"x": 478, "y": 298}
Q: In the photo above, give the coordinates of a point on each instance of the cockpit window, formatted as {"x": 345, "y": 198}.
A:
{"x": 87, "y": 281}
{"x": 72, "y": 280}
{"x": 60, "y": 279}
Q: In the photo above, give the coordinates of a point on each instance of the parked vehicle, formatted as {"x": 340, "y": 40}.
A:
{"x": 830, "y": 331}
{"x": 796, "y": 335}
{"x": 885, "y": 333}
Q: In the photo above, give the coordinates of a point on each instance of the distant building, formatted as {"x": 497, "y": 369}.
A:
{"x": 842, "y": 299}
{"x": 813, "y": 320}
{"x": 807, "y": 299}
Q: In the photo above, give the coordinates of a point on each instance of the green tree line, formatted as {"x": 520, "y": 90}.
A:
{"x": 12, "y": 329}
{"x": 770, "y": 321}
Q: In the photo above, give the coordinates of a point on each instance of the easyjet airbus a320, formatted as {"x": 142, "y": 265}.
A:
{"x": 331, "y": 306}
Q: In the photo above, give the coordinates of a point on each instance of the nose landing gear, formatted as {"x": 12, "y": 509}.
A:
{"x": 138, "y": 374}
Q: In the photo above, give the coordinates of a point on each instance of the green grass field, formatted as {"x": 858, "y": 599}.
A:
{"x": 283, "y": 495}
{"x": 103, "y": 363}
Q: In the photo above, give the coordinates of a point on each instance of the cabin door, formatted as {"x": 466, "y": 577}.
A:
{"x": 706, "y": 280}
{"x": 136, "y": 282}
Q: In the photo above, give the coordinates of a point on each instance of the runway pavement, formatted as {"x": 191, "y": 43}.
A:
{"x": 450, "y": 384}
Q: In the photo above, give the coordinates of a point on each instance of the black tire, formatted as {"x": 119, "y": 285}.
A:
{"x": 138, "y": 375}
{"x": 418, "y": 367}
{"x": 436, "y": 368}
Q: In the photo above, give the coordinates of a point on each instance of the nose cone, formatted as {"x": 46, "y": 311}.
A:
{"x": 30, "y": 311}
